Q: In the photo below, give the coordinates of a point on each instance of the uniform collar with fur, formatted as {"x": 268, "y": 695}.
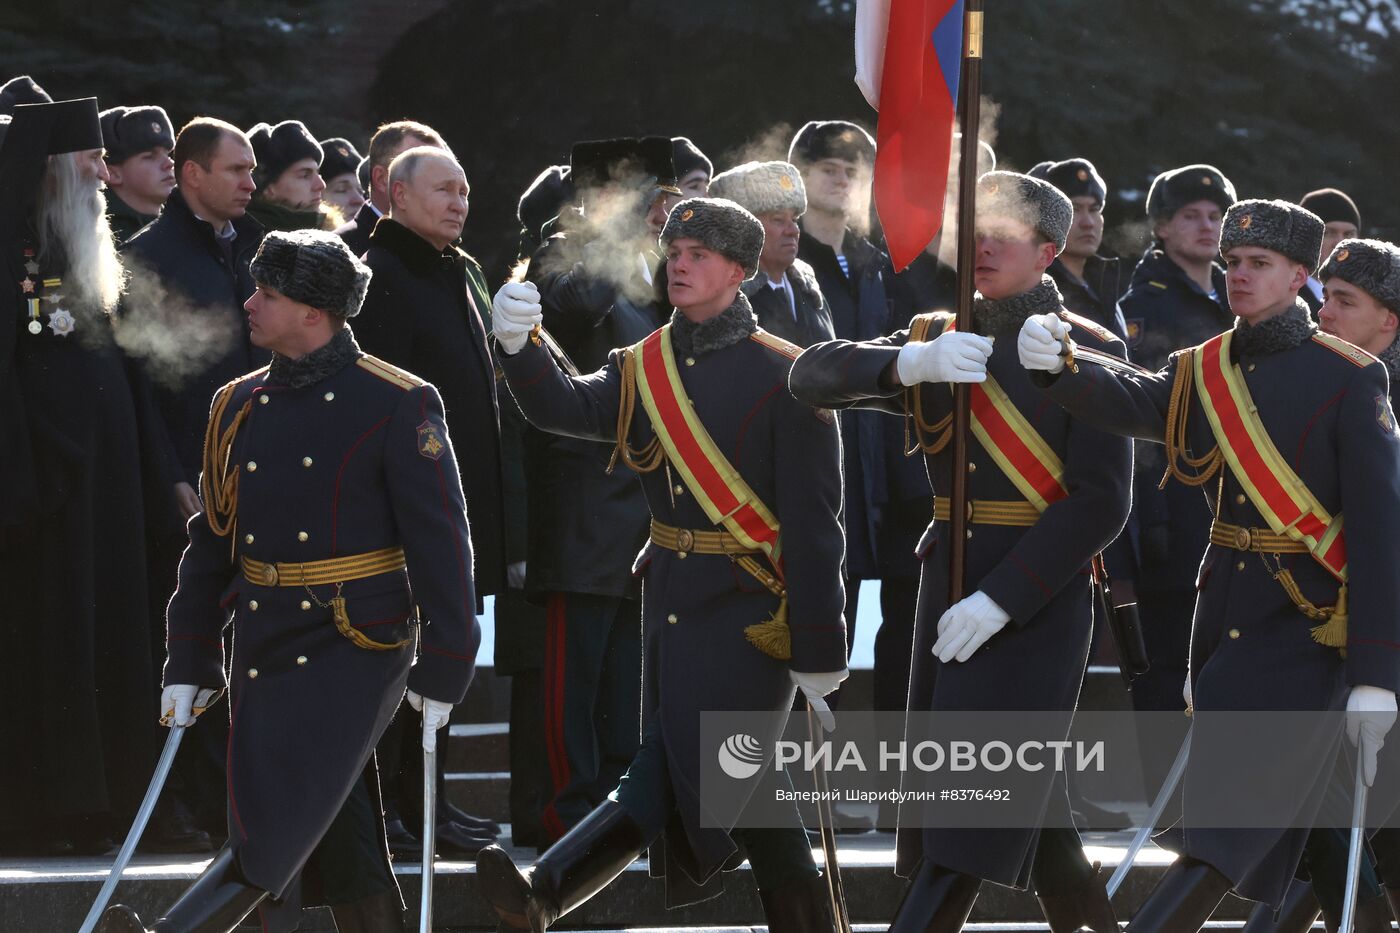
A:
{"x": 1281, "y": 332}
{"x": 733, "y": 324}
{"x": 319, "y": 364}
{"x": 1390, "y": 356}
{"x": 1002, "y": 315}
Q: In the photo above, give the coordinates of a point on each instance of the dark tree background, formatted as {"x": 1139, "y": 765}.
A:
{"x": 1283, "y": 95}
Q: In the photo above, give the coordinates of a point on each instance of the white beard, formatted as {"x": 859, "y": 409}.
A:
{"x": 71, "y": 217}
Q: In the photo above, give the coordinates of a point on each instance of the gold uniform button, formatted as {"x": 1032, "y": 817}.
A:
{"x": 306, "y": 604}
{"x": 247, "y": 539}
{"x": 302, "y": 536}
{"x": 1251, "y": 367}
{"x": 969, "y": 532}
{"x": 253, "y": 605}
{"x": 679, "y": 490}
{"x": 1240, "y": 565}
{"x": 1240, "y": 498}
{"x": 262, "y": 399}
{"x": 672, "y": 618}
{"x": 1234, "y": 633}
{"x": 330, "y": 396}
{"x": 252, "y": 673}
{"x": 252, "y": 466}
{"x": 971, "y": 467}
{"x": 301, "y": 659}
{"x": 690, "y": 361}
{"x": 306, "y": 461}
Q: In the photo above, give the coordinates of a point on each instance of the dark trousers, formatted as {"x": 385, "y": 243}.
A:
{"x": 779, "y": 856}
{"x": 1166, "y": 628}
{"x": 530, "y": 787}
{"x": 592, "y": 701}
{"x": 352, "y": 859}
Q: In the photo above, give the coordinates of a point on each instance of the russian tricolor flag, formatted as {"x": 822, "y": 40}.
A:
{"x": 908, "y": 58}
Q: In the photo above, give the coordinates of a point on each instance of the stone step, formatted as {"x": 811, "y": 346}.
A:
{"x": 52, "y": 896}
{"x": 479, "y": 746}
{"x": 481, "y": 793}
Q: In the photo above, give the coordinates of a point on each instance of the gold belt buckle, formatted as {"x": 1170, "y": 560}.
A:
{"x": 1242, "y": 538}
{"x": 685, "y": 540}
{"x": 269, "y": 574}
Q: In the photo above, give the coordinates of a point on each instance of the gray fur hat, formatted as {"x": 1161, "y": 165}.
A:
{"x": 1285, "y": 228}
{"x": 313, "y": 267}
{"x": 1035, "y": 203}
{"x": 720, "y": 225}
{"x": 762, "y": 186}
{"x": 1371, "y": 265}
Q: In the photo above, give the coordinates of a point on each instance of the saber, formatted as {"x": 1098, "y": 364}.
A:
{"x": 1158, "y": 806}
{"x": 143, "y": 816}
{"x": 1358, "y": 831}
{"x": 425, "y": 906}
{"x": 824, "y": 821}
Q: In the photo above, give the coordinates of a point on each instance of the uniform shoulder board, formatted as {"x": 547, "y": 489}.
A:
{"x": 1339, "y": 346}
{"x": 773, "y": 342}
{"x": 1093, "y": 327}
{"x": 389, "y": 373}
{"x": 228, "y": 388}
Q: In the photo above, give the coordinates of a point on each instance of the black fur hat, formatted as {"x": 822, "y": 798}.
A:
{"x": 1371, "y": 265}
{"x": 313, "y": 267}
{"x": 1285, "y": 228}
{"x": 720, "y": 225}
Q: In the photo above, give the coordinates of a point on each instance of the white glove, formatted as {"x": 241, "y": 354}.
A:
{"x": 435, "y": 716}
{"x": 180, "y": 704}
{"x": 1370, "y": 715}
{"x": 515, "y": 575}
{"x": 515, "y": 311}
{"x": 967, "y": 625}
{"x": 814, "y": 686}
{"x": 952, "y": 357}
{"x": 1041, "y": 341}
{"x": 1186, "y": 692}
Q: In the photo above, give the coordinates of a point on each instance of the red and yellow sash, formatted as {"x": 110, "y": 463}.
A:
{"x": 1277, "y": 492}
{"x": 727, "y": 499}
{"x": 1013, "y": 442}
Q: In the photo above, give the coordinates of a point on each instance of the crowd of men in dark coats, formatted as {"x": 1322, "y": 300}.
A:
{"x": 106, "y": 438}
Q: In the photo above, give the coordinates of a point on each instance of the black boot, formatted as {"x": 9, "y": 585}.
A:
{"x": 217, "y": 901}
{"x": 1296, "y": 915}
{"x": 1086, "y": 907}
{"x": 1183, "y": 900}
{"x": 378, "y": 913}
{"x": 1372, "y": 916}
{"x": 936, "y": 901}
{"x": 571, "y": 871}
{"x": 804, "y": 907}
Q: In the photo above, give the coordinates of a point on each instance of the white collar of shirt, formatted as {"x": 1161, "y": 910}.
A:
{"x": 784, "y": 286}
{"x": 228, "y": 233}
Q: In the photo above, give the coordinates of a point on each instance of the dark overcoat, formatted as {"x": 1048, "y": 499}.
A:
{"x": 1039, "y": 575}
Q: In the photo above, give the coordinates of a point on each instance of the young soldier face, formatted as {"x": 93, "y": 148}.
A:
{"x": 830, "y": 184}
{"x": 146, "y": 176}
{"x": 1010, "y": 259}
{"x": 299, "y": 186}
{"x": 1192, "y": 234}
{"x": 696, "y": 184}
{"x": 1261, "y": 281}
{"x": 1334, "y": 232}
{"x": 698, "y": 278}
{"x": 1356, "y": 317}
{"x": 276, "y": 322}
{"x": 661, "y": 209}
{"x": 344, "y": 192}
{"x": 780, "y": 236}
{"x": 1086, "y": 233}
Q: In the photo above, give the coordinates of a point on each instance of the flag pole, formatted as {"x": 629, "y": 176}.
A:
{"x": 969, "y": 115}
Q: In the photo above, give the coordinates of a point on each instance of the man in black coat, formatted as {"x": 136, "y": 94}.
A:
{"x": 1341, "y": 221}
{"x": 424, "y": 313}
{"x": 86, "y": 471}
{"x": 335, "y": 535}
{"x": 1177, "y": 299}
{"x": 388, "y": 141}
{"x": 717, "y": 636}
{"x": 596, "y": 277}
{"x": 1091, "y": 284}
{"x": 785, "y": 294}
{"x": 1291, "y": 432}
{"x": 1028, "y": 566}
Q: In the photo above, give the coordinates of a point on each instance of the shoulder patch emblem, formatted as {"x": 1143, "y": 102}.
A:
{"x": 430, "y": 443}
{"x": 1343, "y": 349}
{"x": 1384, "y": 416}
{"x": 1134, "y": 331}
